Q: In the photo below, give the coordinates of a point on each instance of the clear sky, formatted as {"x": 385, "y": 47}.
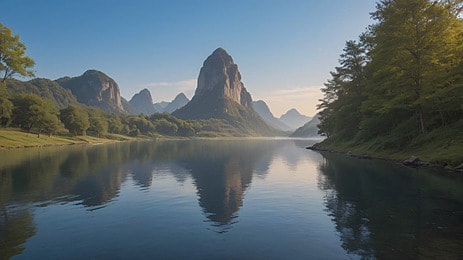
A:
{"x": 284, "y": 49}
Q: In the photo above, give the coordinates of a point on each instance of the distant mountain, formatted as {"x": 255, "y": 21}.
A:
{"x": 294, "y": 119}
{"x": 179, "y": 101}
{"x": 127, "y": 107}
{"x": 94, "y": 88}
{"x": 310, "y": 129}
{"x": 45, "y": 88}
{"x": 142, "y": 102}
{"x": 160, "y": 106}
{"x": 263, "y": 110}
{"x": 221, "y": 94}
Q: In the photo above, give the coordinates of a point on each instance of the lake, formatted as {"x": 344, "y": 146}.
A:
{"x": 214, "y": 199}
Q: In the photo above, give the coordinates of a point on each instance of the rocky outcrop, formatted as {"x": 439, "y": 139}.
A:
{"x": 94, "y": 88}
{"x": 413, "y": 161}
{"x": 294, "y": 119}
{"x": 221, "y": 94}
{"x": 179, "y": 101}
{"x": 142, "y": 102}
{"x": 220, "y": 74}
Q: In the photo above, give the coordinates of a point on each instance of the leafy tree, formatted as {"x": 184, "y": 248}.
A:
{"x": 165, "y": 127}
{"x": 98, "y": 126}
{"x": 75, "y": 119}
{"x": 115, "y": 125}
{"x": 402, "y": 79}
{"x": 6, "y": 110}
{"x": 33, "y": 112}
{"x": 98, "y": 122}
{"x": 13, "y": 59}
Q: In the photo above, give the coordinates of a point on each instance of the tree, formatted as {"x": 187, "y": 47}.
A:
{"x": 6, "y": 110}
{"x": 416, "y": 45}
{"x": 13, "y": 59}
{"x": 402, "y": 79}
{"x": 98, "y": 126}
{"x": 32, "y": 112}
{"x": 115, "y": 125}
{"x": 344, "y": 93}
{"x": 75, "y": 119}
{"x": 165, "y": 127}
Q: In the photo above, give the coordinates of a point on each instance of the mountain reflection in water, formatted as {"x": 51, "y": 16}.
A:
{"x": 300, "y": 203}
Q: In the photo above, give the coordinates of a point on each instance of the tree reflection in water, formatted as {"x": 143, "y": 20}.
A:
{"x": 392, "y": 212}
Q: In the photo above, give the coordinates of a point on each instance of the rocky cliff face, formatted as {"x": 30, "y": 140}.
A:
{"x": 220, "y": 94}
{"x": 142, "y": 102}
{"x": 94, "y": 88}
{"x": 220, "y": 74}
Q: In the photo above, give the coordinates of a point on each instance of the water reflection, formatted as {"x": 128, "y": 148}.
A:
{"x": 389, "y": 211}
{"x": 379, "y": 210}
{"x": 93, "y": 175}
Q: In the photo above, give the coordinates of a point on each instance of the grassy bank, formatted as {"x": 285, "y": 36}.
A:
{"x": 442, "y": 147}
{"x": 15, "y": 138}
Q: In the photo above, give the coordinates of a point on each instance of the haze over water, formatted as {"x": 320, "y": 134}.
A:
{"x": 251, "y": 198}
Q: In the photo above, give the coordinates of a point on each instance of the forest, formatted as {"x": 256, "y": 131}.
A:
{"x": 399, "y": 86}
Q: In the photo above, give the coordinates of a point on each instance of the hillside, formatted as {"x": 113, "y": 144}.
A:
{"x": 310, "y": 129}
{"x": 45, "y": 88}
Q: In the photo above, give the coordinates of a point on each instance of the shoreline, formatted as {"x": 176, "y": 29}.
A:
{"x": 418, "y": 164}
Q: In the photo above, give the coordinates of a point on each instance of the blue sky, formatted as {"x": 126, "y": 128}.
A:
{"x": 284, "y": 49}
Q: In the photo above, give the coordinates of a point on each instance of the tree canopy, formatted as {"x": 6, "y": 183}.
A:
{"x": 401, "y": 78}
{"x": 13, "y": 59}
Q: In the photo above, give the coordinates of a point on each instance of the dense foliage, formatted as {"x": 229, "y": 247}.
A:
{"x": 401, "y": 80}
{"x": 45, "y": 88}
{"x": 33, "y": 113}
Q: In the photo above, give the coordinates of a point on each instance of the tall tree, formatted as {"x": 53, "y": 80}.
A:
{"x": 13, "y": 59}
{"x": 344, "y": 93}
{"x": 417, "y": 43}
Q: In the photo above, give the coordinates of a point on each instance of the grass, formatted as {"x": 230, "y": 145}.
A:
{"x": 441, "y": 146}
{"x": 12, "y": 138}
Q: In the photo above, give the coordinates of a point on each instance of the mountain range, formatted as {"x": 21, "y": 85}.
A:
{"x": 263, "y": 110}
{"x": 220, "y": 94}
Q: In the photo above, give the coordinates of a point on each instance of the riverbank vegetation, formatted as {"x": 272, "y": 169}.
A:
{"x": 399, "y": 88}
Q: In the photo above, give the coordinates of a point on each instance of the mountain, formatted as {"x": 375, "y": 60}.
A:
{"x": 142, "y": 102}
{"x": 94, "y": 88}
{"x": 262, "y": 109}
{"x": 127, "y": 107}
{"x": 179, "y": 101}
{"x": 160, "y": 106}
{"x": 294, "y": 119}
{"x": 310, "y": 129}
{"x": 45, "y": 88}
{"x": 221, "y": 94}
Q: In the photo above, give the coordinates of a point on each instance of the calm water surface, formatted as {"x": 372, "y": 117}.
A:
{"x": 209, "y": 199}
